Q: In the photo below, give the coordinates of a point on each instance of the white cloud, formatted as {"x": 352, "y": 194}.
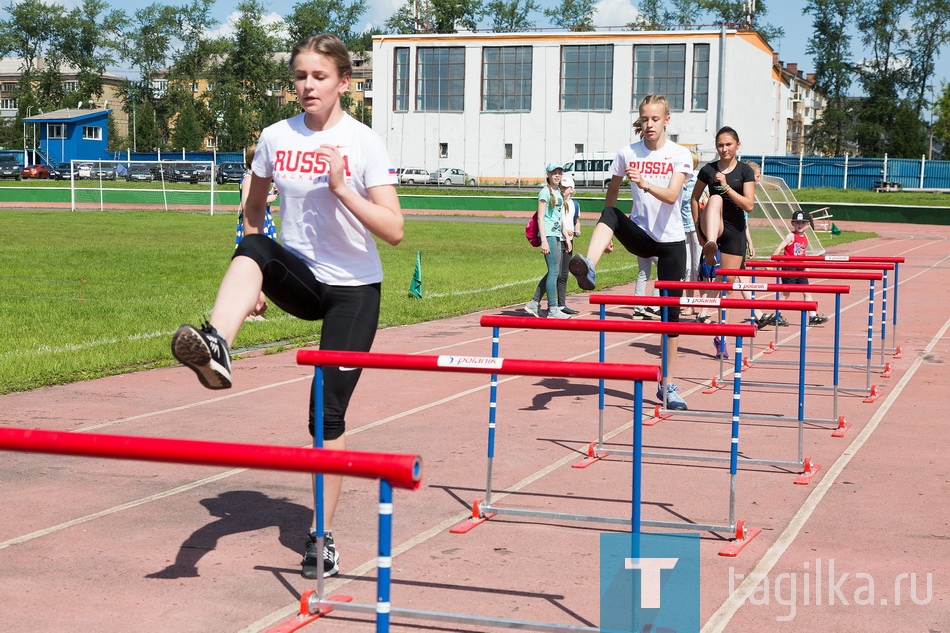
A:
{"x": 614, "y": 13}
{"x": 226, "y": 28}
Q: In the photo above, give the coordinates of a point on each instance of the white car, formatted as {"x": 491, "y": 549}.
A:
{"x": 448, "y": 176}
{"x": 413, "y": 176}
{"x": 84, "y": 170}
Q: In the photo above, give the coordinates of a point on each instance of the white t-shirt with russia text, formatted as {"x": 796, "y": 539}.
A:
{"x": 660, "y": 220}
{"x": 314, "y": 223}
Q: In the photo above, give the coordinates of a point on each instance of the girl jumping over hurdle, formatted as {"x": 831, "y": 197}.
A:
{"x": 657, "y": 169}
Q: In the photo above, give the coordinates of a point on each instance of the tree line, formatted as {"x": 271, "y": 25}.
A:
{"x": 244, "y": 69}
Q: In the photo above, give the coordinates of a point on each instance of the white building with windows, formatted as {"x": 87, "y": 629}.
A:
{"x": 503, "y": 105}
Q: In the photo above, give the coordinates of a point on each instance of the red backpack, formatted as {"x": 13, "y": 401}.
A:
{"x": 532, "y": 232}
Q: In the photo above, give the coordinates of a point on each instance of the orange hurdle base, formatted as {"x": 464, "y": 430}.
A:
{"x": 592, "y": 456}
{"x": 658, "y": 414}
{"x": 304, "y": 617}
{"x": 842, "y": 427}
{"x": 898, "y": 353}
{"x": 873, "y": 395}
{"x": 809, "y": 471}
{"x": 473, "y": 521}
{"x": 713, "y": 387}
{"x": 743, "y": 537}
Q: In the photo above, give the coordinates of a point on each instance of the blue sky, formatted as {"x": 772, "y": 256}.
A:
{"x": 787, "y": 13}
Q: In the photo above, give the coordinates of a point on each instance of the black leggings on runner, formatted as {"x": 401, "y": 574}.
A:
{"x": 671, "y": 256}
{"x": 350, "y": 317}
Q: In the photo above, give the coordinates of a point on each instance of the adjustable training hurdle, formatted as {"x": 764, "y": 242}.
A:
{"x": 818, "y": 289}
{"x": 802, "y": 306}
{"x": 864, "y": 259}
{"x": 392, "y": 470}
{"x": 494, "y": 366}
{"x": 836, "y": 275}
{"x": 596, "y": 450}
{"x": 829, "y": 265}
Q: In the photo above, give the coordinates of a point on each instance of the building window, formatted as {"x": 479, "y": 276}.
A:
{"x": 194, "y": 86}
{"x": 159, "y": 87}
{"x": 509, "y": 151}
{"x": 70, "y": 86}
{"x": 56, "y": 130}
{"x": 659, "y": 69}
{"x": 578, "y": 148}
{"x": 443, "y": 150}
{"x": 701, "y": 77}
{"x": 587, "y": 74}
{"x": 506, "y": 78}
{"x": 91, "y": 133}
{"x": 209, "y": 143}
{"x": 8, "y": 87}
{"x": 440, "y": 79}
{"x": 401, "y": 80}
{"x": 8, "y": 104}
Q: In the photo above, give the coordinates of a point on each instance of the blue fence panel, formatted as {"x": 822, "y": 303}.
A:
{"x": 854, "y": 173}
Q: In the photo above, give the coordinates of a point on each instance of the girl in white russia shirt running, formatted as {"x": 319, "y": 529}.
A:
{"x": 657, "y": 169}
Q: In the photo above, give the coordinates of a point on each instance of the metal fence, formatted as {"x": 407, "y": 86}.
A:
{"x": 837, "y": 172}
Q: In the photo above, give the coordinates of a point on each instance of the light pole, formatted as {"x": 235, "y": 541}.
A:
{"x": 29, "y": 109}
{"x": 930, "y": 149}
{"x": 135, "y": 146}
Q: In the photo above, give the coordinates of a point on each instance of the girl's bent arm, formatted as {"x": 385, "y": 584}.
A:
{"x": 254, "y": 201}
{"x": 381, "y": 214}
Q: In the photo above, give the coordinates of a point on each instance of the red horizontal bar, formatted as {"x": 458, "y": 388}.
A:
{"x": 642, "y": 300}
{"x": 601, "y": 325}
{"x": 400, "y": 470}
{"x": 840, "y": 258}
{"x": 768, "y": 263}
{"x": 721, "y": 285}
{"x": 824, "y": 274}
{"x": 479, "y": 365}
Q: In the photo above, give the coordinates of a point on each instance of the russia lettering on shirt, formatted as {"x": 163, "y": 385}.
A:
{"x": 309, "y": 162}
{"x": 652, "y": 167}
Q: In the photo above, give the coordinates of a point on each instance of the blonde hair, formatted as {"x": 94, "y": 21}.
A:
{"x": 330, "y": 46}
{"x": 650, "y": 100}
{"x": 249, "y": 156}
{"x": 755, "y": 167}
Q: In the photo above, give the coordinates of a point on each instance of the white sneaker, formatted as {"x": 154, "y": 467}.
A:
{"x": 555, "y": 313}
{"x": 532, "y": 308}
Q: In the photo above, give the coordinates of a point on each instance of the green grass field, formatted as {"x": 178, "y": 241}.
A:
{"x": 91, "y": 294}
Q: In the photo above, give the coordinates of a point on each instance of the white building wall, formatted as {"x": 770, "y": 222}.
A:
{"x": 476, "y": 140}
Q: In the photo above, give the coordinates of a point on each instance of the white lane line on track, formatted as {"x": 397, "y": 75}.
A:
{"x": 721, "y": 618}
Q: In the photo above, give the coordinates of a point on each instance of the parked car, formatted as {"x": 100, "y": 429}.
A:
{"x": 9, "y": 167}
{"x": 205, "y": 172}
{"x": 61, "y": 171}
{"x": 230, "y": 172}
{"x": 35, "y": 171}
{"x": 413, "y": 175}
{"x": 450, "y": 176}
{"x": 103, "y": 171}
{"x": 84, "y": 171}
{"x": 139, "y": 172}
{"x": 182, "y": 172}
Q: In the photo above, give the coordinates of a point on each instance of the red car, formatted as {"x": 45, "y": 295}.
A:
{"x": 35, "y": 171}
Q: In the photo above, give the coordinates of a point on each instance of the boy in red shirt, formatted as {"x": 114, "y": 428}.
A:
{"x": 796, "y": 244}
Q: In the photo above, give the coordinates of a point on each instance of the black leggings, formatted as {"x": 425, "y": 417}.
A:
{"x": 671, "y": 256}
{"x": 350, "y": 317}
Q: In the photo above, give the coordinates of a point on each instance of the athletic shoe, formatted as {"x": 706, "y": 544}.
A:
{"x": 780, "y": 320}
{"x": 331, "y": 558}
{"x": 674, "y": 401}
{"x": 703, "y": 318}
{"x": 711, "y": 253}
{"x": 818, "y": 319}
{"x": 556, "y": 313}
{"x": 205, "y": 352}
{"x": 707, "y": 272}
{"x": 652, "y": 312}
{"x": 719, "y": 342}
{"x": 764, "y": 321}
{"x": 583, "y": 270}
{"x": 533, "y": 308}
{"x": 568, "y": 311}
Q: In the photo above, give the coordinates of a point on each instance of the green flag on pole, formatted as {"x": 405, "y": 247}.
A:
{"x": 415, "y": 286}
{"x": 834, "y": 229}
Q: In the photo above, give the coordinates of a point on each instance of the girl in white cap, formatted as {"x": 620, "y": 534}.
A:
{"x": 550, "y": 205}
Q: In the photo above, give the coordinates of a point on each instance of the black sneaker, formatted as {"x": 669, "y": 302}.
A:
{"x": 652, "y": 312}
{"x": 570, "y": 311}
{"x": 780, "y": 320}
{"x": 764, "y": 321}
{"x": 818, "y": 319}
{"x": 331, "y": 559}
{"x": 205, "y": 352}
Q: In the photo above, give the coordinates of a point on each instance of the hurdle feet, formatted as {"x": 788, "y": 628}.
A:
{"x": 593, "y": 455}
{"x": 809, "y": 470}
{"x": 310, "y": 611}
{"x": 842, "y": 427}
{"x": 742, "y": 538}
{"x": 478, "y": 517}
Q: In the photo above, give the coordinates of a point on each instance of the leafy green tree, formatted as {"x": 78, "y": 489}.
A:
{"x": 88, "y": 39}
{"x": 450, "y": 15}
{"x": 29, "y": 31}
{"x": 941, "y": 125}
{"x": 736, "y": 12}
{"x": 147, "y": 135}
{"x": 147, "y": 43}
{"x": 313, "y": 17}
{"x": 573, "y": 15}
{"x": 406, "y": 21}
{"x": 650, "y": 16}
{"x": 511, "y": 15}
{"x": 928, "y": 35}
{"x": 830, "y": 49}
{"x": 188, "y": 133}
